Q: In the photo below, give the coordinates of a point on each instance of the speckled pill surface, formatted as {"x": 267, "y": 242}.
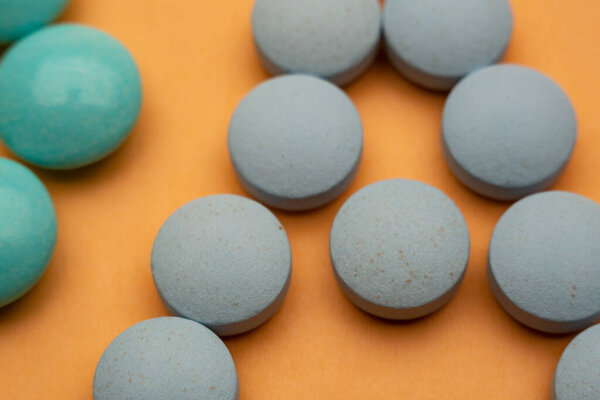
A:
{"x": 577, "y": 375}
{"x": 435, "y": 43}
{"x": 508, "y": 131}
{"x": 544, "y": 262}
{"x": 21, "y": 17}
{"x": 69, "y": 96}
{"x": 166, "y": 358}
{"x": 399, "y": 249}
{"x": 332, "y": 39}
{"x": 27, "y": 230}
{"x": 223, "y": 261}
{"x": 295, "y": 142}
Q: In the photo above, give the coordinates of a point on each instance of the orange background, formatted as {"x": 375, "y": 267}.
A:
{"x": 197, "y": 61}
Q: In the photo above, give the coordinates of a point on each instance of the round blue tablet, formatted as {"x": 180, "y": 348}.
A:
{"x": 577, "y": 375}
{"x": 27, "y": 230}
{"x": 508, "y": 131}
{"x": 295, "y": 142}
{"x": 544, "y": 262}
{"x": 69, "y": 96}
{"x": 166, "y": 358}
{"x": 332, "y": 39}
{"x": 435, "y": 43}
{"x": 20, "y": 17}
{"x": 399, "y": 249}
{"x": 223, "y": 261}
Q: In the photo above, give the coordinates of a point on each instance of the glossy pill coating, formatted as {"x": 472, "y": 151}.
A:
{"x": 223, "y": 261}
{"x": 577, "y": 375}
{"x": 508, "y": 131}
{"x": 27, "y": 230}
{"x": 166, "y": 358}
{"x": 331, "y": 39}
{"x": 69, "y": 96}
{"x": 399, "y": 249}
{"x": 295, "y": 142}
{"x": 435, "y": 43}
{"x": 544, "y": 262}
{"x": 21, "y": 17}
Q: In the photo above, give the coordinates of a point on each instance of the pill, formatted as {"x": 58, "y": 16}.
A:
{"x": 332, "y": 39}
{"x": 577, "y": 375}
{"x": 27, "y": 230}
{"x": 508, "y": 131}
{"x": 399, "y": 249}
{"x": 223, "y": 261}
{"x": 295, "y": 142}
{"x": 69, "y": 96}
{"x": 166, "y": 358}
{"x": 435, "y": 43}
{"x": 21, "y": 17}
{"x": 544, "y": 262}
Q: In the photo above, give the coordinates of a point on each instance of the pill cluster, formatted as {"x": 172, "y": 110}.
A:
{"x": 69, "y": 95}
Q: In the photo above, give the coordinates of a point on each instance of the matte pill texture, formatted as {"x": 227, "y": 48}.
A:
{"x": 69, "y": 96}
{"x": 166, "y": 358}
{"x": 577, "y": 375}
{"x": 435, "y": 43}
{"x": 399, "y": 249}
{"x": 223, "y": 261}
{"x": 508, "y": 131}
{"x": 21, "y": 17}
{"x": 295, "y": 142}
{"x": 27, "y": 230}
{"x": 544, "y": 262}
{"x": 332, "y": 39}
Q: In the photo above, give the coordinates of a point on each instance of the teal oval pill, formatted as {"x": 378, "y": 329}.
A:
{"x": 577, "y": 375}
{"x": 166, "y": 358}
{"x": 20, "y": 17}
{"x": 27, "y": 230}
{"x": 69, "y": 96}
{"x": 544, "y": 262}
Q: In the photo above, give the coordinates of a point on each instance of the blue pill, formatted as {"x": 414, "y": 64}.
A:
{"x": 544, "y": 262}
{"x": 435, "y": 43}
{"x": 508, "y": 131}
{"x": 166, "y": 358}
{"x": 399, "y": 249}
{"x": 27, "y": 230}
{"x": 69, "y": 96}
{"x": 332, "y": 39}
{"x": 223, "y": 261}
{"x": 295, "y": 142}
{"x": 21, "y": 17}
{"x": 577, "y": 375}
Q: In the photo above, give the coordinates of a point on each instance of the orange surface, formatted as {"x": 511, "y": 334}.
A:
{"x": 197, "y": 61}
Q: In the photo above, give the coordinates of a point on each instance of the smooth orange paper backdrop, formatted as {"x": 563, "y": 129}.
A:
{"x": 197, "y": 61}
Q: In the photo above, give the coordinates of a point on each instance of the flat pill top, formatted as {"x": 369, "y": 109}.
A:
{"x": 295, "y": 137}
{"x": 27, "y": 230}
{"x": 69, "y": 95}
{"x": 399, "y": 244}
{"x": 509, "y": 126}
{"x": 166, "y": 358}
{"x": 221, "y": 260}
{"x": 319, "y": 37}
{"x": 577, "y": 375}
{"x": 544, "y": 257}
{"x": 447, "y": 38}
